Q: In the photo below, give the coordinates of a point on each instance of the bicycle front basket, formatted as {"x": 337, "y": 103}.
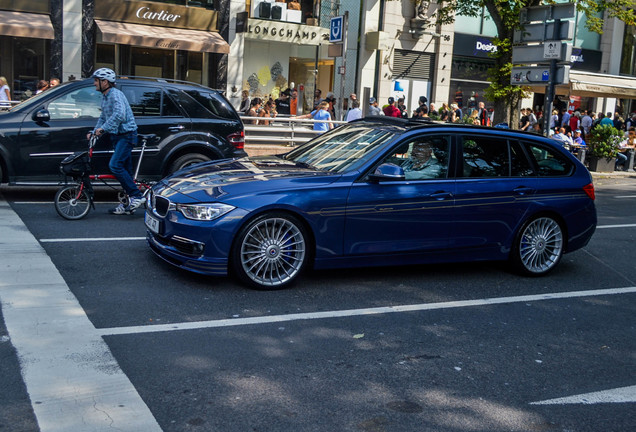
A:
{"x": 76, "y": 165}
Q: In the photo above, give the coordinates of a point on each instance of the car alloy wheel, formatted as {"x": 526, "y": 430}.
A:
{"x": 539, "y": 246}
{"x": 271, "y": 251}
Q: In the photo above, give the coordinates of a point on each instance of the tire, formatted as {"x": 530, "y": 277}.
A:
{"x": 270, "y": 252}
{"x": 538, "y": 247}
{"x": 187, "y": 160}
{"x": 69, "y": 206}
{"x": 123, "y": 198}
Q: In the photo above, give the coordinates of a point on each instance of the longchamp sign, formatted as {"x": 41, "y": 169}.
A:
{"x": 279, "y": 31}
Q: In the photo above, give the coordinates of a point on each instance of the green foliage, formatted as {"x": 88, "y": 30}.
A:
{"x": 603, "y": 141}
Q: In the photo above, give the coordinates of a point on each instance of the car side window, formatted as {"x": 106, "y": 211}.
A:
{"x": 213, "y": 103}
{"x": 485, "y": 156}
{"x": 423, "y": 158}
{"x": 549, "y": 162}
{"x": 148, "y": 102}
{"x": 520, "y": 166}
{"x": 80, "y": 103}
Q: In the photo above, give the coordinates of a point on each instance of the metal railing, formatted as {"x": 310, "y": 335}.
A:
{"x": 287, "y": 131}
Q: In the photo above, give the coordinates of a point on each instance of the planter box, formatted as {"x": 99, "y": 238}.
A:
{"x": 602, "y": 164}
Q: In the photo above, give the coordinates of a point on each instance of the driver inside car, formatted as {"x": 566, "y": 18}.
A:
{"x": 421, "y": 163}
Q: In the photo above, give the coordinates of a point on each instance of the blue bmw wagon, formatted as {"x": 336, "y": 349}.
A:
{"x": 376, "y": 192}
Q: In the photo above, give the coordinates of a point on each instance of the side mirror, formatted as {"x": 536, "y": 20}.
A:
{"x": 41, "y": 115}
{"x": 387, "y": 172}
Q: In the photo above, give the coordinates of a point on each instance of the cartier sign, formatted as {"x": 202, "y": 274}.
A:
{"x": 280, "y": 31}
{"x": 159, "y": 14}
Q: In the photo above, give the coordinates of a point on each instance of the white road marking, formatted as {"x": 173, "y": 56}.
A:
{"x": 617, "y": 395}
{"x": 94, "y": 239}
{"x": 73, "y": 381}
{"x": 358, "y": 312}
{"x": 625, "y": 196}
{"x": 616, "y": 226}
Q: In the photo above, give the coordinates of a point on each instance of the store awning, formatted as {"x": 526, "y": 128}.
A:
{"x": 29, "y": 25}
{"x": 162, "y": 37}
{"x": 600, "y": 85}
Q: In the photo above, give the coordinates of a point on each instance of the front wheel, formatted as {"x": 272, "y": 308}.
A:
{"x": 271, "y": 251}
{"x": 538, "y": 247}
{"x": 71, "y": 203}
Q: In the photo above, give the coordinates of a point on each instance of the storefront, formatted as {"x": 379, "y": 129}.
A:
{"x": 469, "y": 70}
{"x": 280, "y": 55}
{"x": 159, "y": 40}
{"x": 412, "y": 77}
{"x": 26, "y": 33}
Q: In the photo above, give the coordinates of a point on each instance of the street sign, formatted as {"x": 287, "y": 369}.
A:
{"x": 536, "y": 54}
{"x": 539, "y": 75}
{"x": 335, "y": 29}
{"x": 548, "y": 12}
{"x": 544, "y": 31}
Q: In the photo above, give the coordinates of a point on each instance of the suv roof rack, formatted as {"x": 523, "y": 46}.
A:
{"x": 166, "y": 80}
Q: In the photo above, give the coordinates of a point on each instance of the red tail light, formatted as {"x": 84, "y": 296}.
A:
{"x": 237, "y": 139}
{"x": 589, "y": 190}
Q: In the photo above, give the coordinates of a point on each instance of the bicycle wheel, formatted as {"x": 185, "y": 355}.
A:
{"x": 72, "y": 204}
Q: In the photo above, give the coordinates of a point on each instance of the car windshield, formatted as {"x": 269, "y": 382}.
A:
{"x": 340, "y": 149}
{"x": 33, "y": 100}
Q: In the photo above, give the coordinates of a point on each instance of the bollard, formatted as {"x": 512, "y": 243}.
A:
{"x": 582, "y": 155}
{"x": 630, "y": 161}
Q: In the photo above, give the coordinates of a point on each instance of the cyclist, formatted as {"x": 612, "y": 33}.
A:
{"x": 117, "y": 121}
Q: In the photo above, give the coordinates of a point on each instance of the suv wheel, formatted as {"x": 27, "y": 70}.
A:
{"x": 187, "y": 160}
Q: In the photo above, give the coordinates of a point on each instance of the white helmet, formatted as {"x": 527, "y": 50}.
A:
{"x": 106, "y": 74}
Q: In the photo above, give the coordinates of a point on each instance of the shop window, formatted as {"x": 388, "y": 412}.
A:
{"x": 105, "y": 56}
{"x": 150, "y": 62}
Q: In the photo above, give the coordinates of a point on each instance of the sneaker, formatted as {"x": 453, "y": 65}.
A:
{"x": 135, "y": 203}
{"x": 119, "y": 210}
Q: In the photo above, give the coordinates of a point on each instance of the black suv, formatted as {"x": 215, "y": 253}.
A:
{"x": 193, "y": 124}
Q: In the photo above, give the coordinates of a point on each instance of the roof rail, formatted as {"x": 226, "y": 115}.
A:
{"x": 166, "y": 80}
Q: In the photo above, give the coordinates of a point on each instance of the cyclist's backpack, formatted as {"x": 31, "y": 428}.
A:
{"x": 76, "y": 165}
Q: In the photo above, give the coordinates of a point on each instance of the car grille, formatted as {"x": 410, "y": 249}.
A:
{"x": 160, "y": 205}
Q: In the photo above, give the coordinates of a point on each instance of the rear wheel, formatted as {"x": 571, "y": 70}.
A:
{"x": 539, "y": 246}
{"x": 271, "y": 251}
{"x": 72, "y": 204}
{"x": 187, "y": 160}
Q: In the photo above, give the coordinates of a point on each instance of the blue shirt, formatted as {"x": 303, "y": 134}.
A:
{"x": 321, "y": 114}
{"x": 116, "y": 117}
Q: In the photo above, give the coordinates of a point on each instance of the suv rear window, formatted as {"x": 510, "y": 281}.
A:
{"x": 148, "y": 102}
{"x": 212, "y": 102}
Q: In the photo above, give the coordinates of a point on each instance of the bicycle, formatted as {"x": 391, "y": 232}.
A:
{"x": 74, "y": 201}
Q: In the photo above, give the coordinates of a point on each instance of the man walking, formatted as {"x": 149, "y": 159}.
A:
{"x": 118, "y": 122}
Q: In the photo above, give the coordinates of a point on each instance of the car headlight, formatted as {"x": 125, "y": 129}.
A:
{"x": 204, "y": 212}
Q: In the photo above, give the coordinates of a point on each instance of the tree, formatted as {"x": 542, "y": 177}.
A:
{"x": 505, "y": 15}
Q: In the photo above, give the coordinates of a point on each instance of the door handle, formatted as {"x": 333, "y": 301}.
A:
{"x": 176, "y": 128}
{"x": 524, "y": 190}
{"x": 441, "y": 195}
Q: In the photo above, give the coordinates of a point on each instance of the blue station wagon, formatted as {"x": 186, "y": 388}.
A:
{"x": 376, "y": 192}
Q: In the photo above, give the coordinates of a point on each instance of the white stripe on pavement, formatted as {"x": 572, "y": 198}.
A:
{"x": 72, "y": 378}
{"x": 616, "y": 226}
{"x": 230, "y": 322}
{"x": 93, "y": 239}
{"x": 617, "y": 395}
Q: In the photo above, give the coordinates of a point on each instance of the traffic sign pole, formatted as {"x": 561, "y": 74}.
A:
{"x": 345, "y": 27}
{"x": 550, "y": 90}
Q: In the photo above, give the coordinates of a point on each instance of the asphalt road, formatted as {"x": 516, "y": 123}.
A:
{"x": 446, "y": 348}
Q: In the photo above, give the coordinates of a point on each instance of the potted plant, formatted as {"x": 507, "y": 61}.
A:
{"x": 602, "y": 147}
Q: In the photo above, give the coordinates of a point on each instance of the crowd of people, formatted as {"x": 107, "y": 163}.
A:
{"x": 572, "y": 130}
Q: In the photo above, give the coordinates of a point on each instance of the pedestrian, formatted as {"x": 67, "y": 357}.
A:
{"x": 245, "y": 102}
{"x": 5, "y": 94}
{"x": 391, "y": 110}
{"x": 402, "y": 107}
{"x": 41, "y": 86}
{"x": 320, "y": 113}
{"x": 54, "y": 82}
{"x": 374, "y": 110}
{"x": 255, "y": 107}
{"x": 283, "y": 103}
{"x": 355, "y": 112}
{"x": 268, "y": 111}
{"x": 293, "y": 102}
{"x": 118, "y": 123}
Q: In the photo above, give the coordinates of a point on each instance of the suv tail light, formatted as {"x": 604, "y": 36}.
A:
{"x": 237, "y": 139}
{"x": 589, "y": 190}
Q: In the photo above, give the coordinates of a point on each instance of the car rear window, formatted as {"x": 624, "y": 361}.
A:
{"x": 549, "y": 162}
{"x": 213, "y": 103}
